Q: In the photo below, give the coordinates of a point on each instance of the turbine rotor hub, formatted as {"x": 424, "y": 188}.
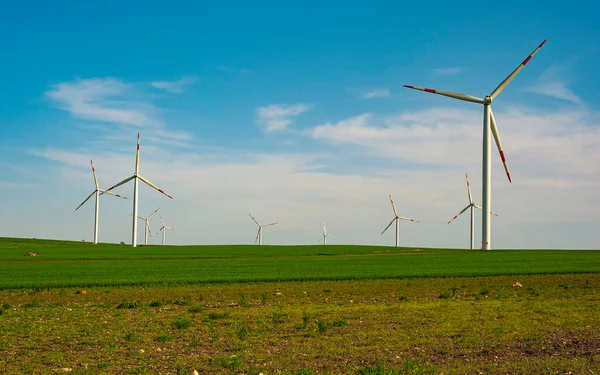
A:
{"x": 487, "y": 100}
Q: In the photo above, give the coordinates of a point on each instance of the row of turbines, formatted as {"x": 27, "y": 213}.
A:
{"x": 489, "y": 125}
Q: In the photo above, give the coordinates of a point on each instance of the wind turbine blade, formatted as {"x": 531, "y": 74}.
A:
{"x": 155, "y": 211}
{"x": 469, "y": 190}
{"x": 154, "y": 186}
{"x": 386, "y": 228}
{"x": 331, "y": 235}
{"x": 407, "y": 219}
{"x": 120, "y": 183}
{"x": 257, "y": 223}
{"x": 512, "y": 75}
{"x": 498, "y": 144}
{"x": 161, "y": 220}
{"x": 111, "y": 193}
{"x": 481, "y": 209}
{"x": 458, "y": 214}
{"x": 95, "y": 178}
{"x": 268, "y": 225}
{"x": 86, "y": 199}
{"x": 454, "y": 95}
{"x": 137, "y": 156}
{"x": 393, "y": 206}
{"x": 257, "y": 234}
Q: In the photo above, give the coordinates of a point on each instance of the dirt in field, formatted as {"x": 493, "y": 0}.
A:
{"x": 410, "y": 326}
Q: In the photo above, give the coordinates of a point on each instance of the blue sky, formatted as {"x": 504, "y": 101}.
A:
{"x": 296, "y": 113}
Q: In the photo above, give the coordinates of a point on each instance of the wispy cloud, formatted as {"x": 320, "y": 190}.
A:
{"x": 229, "y": 69}
{"x": 278, "y": 117}
{"x": 447, "y": 71}
{"x": 174, "y": 86}
{"x": 553, "y": 83}
{"x": 376, "y": 93}
{"x": 112, "y": 101}
{"x": 102, "y": 99}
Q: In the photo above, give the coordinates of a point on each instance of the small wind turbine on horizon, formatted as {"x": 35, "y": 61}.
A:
{"x": 97, "y": 192}
{"x": 489, "y": 123}
{"x": 325, "y": 234}
{"x": 260, "y": 228}
{"x": 396, "y": 219}
{"x": 163, "y": 228}
{"x": 472, "y": 206}
{"x": 147, "y": 226}
{"x": 136, "y": 177}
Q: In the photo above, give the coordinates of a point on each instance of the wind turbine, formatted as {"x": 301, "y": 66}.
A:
{"x": 489, "y": 123}
{"x": 325, "y": 234}
{"x": 147, "y": 227}
{"x": 472, "y": 206}
{"x": 136, "y": 177}
{"x": 97, "y": 192}
{"x": 396, "y": 219}
{"x": 163, "y": 228}
{"x": 260, "y": 228}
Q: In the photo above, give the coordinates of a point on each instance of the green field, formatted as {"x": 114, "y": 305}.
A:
{"x": 299, "y": 310}
{"x": 76, "y": 264}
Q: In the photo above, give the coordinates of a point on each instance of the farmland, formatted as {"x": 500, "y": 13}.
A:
{"x": 296, "y": 310}
{"x": 75, "y": 264}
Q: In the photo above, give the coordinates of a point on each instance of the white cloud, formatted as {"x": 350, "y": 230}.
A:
{"x": 376, "y": 93}
{"x": 102, "y": 99}
{"x": 112, "y": 101}
{"x": 553, "y": 158}
{"x": 174, "y": 86}
{"x": 553, "y": 83}
{"x": 278, "y": 117}
{"x": 447, "y": 71}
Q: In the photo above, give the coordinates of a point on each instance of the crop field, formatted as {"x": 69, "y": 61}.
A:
{"x": 76, "y": 264}
{"x": 112, "y": 309}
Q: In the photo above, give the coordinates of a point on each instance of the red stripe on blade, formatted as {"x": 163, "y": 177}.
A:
{"x": 502, "y": 156}
{"x": 544, "y": 42}
{"x": 410, "y": 87}
{"x": 526, "y": 60}
{"x": 431, "y": 90}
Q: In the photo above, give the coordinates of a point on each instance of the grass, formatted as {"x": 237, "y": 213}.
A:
{"x": 296, "y": 310}
{"x": 356, "y": 327}
{"x": 76, "y": 264}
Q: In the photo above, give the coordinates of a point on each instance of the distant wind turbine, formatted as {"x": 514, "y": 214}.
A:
{"x": 147, "y": 229}
{"x": 489, "y": 124}
{"x": 396, "y": 219}
{"x": 163, "y": 228}
{"x": 136, "y": 177}
{"x": 97, "y": 192}
{"x": 472, "y": 206}
{"x": 325, "y": 234}
{"x": 260, "y": 228}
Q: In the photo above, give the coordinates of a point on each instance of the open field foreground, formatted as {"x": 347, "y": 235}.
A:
{"x": 474, "y": 325}
{"x": 112, "y": 309}
{"x": 77, "y": 264}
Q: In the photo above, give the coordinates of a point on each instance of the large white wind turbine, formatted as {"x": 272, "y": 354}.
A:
{"x": 472, "y": 206}
{"x": 164, "y": 228}
{"x": 136, "y": 177}
{"x": 489, "y": 123}
{"x": 396, "y": 219}
{"x": 97, "y": 192}
{"x": 260, "y": 228}
{"x": 147, "y": 229}
{"x": 325, "y": 234}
